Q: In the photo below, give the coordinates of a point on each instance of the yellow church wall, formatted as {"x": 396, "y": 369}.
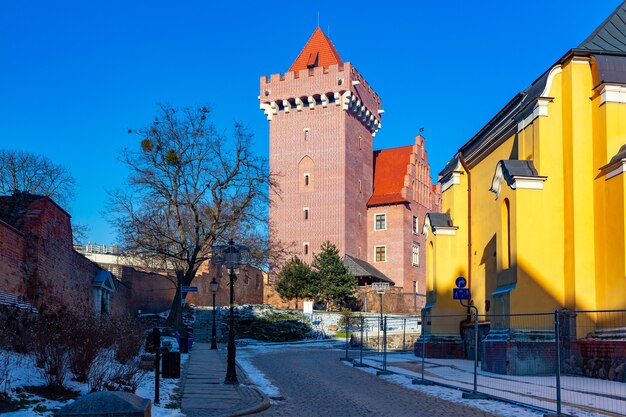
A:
{"x": 486, "y": 239}
{"x": 613, "y": 289}
{"x": 448, "y": 261}
{"x": 565, "y": 245}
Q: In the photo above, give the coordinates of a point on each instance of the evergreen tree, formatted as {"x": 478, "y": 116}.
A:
{"x": 337, "y": 285}
{"x": 296, "y": 281}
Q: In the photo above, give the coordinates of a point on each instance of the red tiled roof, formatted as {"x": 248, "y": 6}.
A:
{"x": 319, "y": 51}
{"x": 389, "y": 171}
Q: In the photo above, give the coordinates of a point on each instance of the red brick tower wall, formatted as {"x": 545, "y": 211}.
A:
{"x": 340, "y": 112}
{"x": 419, "y": 197}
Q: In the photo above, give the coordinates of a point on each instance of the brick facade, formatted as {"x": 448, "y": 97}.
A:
{"x": 322, "y": 122}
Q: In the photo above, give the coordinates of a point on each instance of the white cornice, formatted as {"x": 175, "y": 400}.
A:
{"x": 612, "y": 93}
{"x": 517, "y": 182}
{"x": 539, "y": 109}
{"x": 455, "y": 177}
{"x": 616, "y": 169}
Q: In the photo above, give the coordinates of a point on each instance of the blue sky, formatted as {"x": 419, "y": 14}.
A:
{"x": 74, "y": 76}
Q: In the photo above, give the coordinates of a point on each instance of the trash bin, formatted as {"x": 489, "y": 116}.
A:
{"x": 170, "y": 367}
{"x": 183, "y": 344}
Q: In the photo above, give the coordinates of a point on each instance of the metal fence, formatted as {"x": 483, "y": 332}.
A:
{"x": 565, "y": 362}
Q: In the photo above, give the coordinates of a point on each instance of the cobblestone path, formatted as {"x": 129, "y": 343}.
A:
{"x": 313, "y": 382}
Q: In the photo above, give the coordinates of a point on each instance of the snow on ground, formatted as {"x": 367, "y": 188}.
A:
{"x": 584, "y": 395}
{"x": 169, "y": 390}
{"x": 23, "y": 372}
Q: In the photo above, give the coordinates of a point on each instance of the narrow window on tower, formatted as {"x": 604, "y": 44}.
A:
{"x": 360, "y": 142}
{"x": 380, "y": 253}
{"x": 306, "y": 135}
{"x": 380, "y": 221}
{"x": 359, "y": 218}
{"x": 306, "y": 180}
{"x": 415, "y": 254}
{"x": 415, "y": 225}
{"x": 305, "y": 248}
{"x": 360, "y": 186}
{"x": 306, "y": 213}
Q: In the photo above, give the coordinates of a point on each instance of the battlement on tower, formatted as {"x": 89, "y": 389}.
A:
{"x": 339, "y": 84}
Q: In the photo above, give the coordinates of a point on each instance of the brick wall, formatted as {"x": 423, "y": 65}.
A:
{"x": 12, "y": 259}
{"x": 248, "y": 287}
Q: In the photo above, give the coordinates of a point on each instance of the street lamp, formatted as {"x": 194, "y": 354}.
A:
{"x": 380, "y": 288}
{"x": 213, "y": 286}
{"x": 231, "y": 256}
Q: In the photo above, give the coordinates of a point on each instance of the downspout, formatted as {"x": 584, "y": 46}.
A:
{"x": 469, "y": 234}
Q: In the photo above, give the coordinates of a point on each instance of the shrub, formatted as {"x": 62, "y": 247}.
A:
{"x": 129, "y": 336}
{"x": 51, "y": 334}
{"x": 89, "y": 335}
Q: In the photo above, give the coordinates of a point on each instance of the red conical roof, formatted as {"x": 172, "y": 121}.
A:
{"x": 319, "y": 51}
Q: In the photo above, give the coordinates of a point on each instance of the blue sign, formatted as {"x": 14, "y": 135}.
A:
{"x": 461, "y": 282}
{"x": 190, "y": 289}
{"x": 461, "y": 293}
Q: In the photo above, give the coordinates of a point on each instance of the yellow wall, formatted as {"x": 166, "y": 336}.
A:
{"x": 567, "y": 241}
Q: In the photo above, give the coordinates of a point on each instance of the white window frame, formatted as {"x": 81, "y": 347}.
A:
{"x": 307, "y": 179}
{"x": 307, "y": 134}
{"x": 307, "y": 213}
{"x": 380, "y": 246}
{"x": 415, "y": 253}
{"x": 415, "y": 224}
{"x": 385, "y": 221}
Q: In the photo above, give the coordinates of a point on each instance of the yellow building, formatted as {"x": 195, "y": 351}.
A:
{"x": 533, "y": 211}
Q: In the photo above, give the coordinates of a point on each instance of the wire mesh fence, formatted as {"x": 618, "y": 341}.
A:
{"x": 565, "y": 362}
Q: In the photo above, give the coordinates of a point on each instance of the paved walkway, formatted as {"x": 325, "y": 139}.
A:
{"x": 204, "y": 391}
{"x": 315, "y": 383}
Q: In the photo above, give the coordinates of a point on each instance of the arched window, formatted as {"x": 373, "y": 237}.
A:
{"x": 306, "y": 176}
{"x": 506, "y": 234}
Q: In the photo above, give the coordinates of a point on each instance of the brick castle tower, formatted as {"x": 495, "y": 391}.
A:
{"x": 323, "y": 117}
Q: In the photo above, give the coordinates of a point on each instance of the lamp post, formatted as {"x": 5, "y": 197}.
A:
{"x": 213, "y": 286}
{"x": 231, "y": 256}
{"x": 380, "y": 288}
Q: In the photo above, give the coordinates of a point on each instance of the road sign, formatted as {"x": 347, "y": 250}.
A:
{"x": 307, "y": 307}
{"x": 190, "y": 289}
{"x": 461, "y": 282}
{"x": 461, "y": 293}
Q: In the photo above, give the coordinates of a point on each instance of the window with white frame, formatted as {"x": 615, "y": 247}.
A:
{"x": 415, "y": 252}
{"x": 415, "y": 225}
{"x": 380, "y": 253}
{"x": 306, "y": 179}
{"x": 306, "y": 213}
{"x": 306, "y": 135}
{"x": 380, "y": 221}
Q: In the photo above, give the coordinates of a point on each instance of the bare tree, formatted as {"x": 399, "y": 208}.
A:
{"x": 35, "y": 174}
{"x": 189, "y": 188}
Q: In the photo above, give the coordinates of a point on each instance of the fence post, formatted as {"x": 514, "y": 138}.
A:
{"x": 361, "y": 352}
{"x": 475, "y": 395}
{"x": 403, "y": 332}
{"x": 557, "y": 346}
{"x": 347, "y": 329}
{"x": 157, "y": 361}
{"x": 380, "y": 324}
{"x": 384, "y": 371}
{"x": 422, "y": 381}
